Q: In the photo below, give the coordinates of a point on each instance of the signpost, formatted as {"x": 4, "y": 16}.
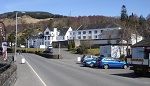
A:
{"x": 4, "y": 51}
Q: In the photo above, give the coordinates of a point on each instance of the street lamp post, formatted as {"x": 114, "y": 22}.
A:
{"x": 59, "y": 50}
{"x": 15, "y": 57}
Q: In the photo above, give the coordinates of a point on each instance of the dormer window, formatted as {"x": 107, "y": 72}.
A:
{"x": 47, "y": 33}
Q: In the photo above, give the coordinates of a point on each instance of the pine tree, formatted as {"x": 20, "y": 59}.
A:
{"x": 124, "y": 15}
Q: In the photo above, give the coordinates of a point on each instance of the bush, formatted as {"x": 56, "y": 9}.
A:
{"x": 94, "y": 51}
{"x": 81, "y": 50}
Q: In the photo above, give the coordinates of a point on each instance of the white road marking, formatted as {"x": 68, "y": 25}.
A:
{"x": 35, "y": 73}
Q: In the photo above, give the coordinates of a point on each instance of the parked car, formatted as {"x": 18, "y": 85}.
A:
{"x": 89, "y": 60}
{"x": 112, "y": 63}
{"x": 49, "y": 49}
{"x": 86, "y": 57}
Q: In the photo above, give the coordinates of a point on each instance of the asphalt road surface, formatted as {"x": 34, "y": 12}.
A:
{"x": 65, "y": 72}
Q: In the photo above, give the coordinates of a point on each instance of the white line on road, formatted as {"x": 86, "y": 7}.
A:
{"x": 35, "y": 72}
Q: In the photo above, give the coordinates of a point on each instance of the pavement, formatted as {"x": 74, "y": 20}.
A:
{"x": 25, "y": 76}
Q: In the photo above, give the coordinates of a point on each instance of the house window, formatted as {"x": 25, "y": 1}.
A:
{"x": 84, "y": 37}
{"x": 79, "y": 33}
{"x": 95, "y": 31}
{"x": 70, "y": 33}
{"x": 45, "y": 37}
{"x": 48, "y": 37}
{"x": 84, "y": 32}
{"x": 47, "y": 33}
{"x": 90, "y": 32}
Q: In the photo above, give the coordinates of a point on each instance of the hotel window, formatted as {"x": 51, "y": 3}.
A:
{"x": 79, "y": 33}
{"x": 90, "y": 32}
{"x": 95, "y": 31}
{"x": 84, "y": 32}
{"x": 84, "y": 37}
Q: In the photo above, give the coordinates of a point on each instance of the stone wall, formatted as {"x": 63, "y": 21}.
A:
{"x": 9, "y": 76}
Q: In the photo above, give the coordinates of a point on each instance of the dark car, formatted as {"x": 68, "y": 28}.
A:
{"x": 88, "y": 60}
{"x": 93, "y": 62}
{"x": 49, "y": 49}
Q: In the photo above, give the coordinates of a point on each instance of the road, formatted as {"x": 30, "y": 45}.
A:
{"x": 65, "y": 72}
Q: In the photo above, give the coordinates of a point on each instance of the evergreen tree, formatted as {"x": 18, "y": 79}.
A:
{"x": 142, "y": 20}
{"x": 124, "y": 15}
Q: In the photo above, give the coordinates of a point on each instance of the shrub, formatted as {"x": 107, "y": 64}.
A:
{"x": 81, "y": 50}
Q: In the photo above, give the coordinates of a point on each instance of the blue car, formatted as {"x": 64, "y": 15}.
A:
{"x": 112, "y": 63}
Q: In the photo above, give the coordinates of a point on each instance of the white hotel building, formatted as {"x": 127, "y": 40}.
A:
{"x": 85, "y": 34}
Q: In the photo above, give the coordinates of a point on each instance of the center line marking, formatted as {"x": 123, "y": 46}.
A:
{"x": 35, "y": 72}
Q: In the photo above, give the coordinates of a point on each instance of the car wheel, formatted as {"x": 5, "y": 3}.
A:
{"x": 91, "y": 65}
{"x": 106, "y": 66}
{"x": 125, "y": 66}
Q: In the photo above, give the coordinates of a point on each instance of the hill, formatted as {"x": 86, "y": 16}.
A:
{"x": 35, "y": 14}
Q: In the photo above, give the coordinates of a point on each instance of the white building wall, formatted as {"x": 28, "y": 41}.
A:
{"x": 93, "y": 34}
{"x": 54, "y": 34}
{"x": 67, "y": 35}
{"x": 113, "y": 51}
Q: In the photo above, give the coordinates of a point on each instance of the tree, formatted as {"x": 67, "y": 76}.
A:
{"x": 124, "y": 15}
{"x": 142, "y": 25}
{"x": 11, "y": 38}
{"x": 125, "y": 25}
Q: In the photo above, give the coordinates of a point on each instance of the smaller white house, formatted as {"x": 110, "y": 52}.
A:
{"x": 47, "y": 37}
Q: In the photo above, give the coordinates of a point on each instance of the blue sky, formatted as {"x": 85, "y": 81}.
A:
{"x": 78, "y": 7}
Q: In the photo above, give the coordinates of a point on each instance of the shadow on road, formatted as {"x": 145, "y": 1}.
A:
{"x": 133, "y": 75}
